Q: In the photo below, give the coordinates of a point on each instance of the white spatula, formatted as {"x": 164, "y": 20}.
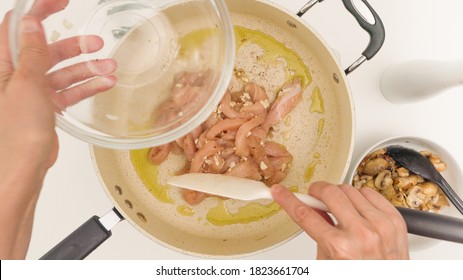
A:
{"x": 418, "y": 222}
{"x": 234, "y": 187}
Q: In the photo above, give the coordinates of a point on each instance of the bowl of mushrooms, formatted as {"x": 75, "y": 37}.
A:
{"x": 375, "y": 169}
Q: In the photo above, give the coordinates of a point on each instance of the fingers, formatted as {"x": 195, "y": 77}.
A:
{"x": 394, "y": 233}
{"x": 41, "y": 9}
{"x": 63, "y": 78}
{"x": 306, "y": 217}
{"x": 33, "y": 50}
{"x": 385, "y": 206}
{"x": 80, "y": 92}
{"x": 378, "y": 201}
{"x": 6, "y": 66}
{"x": 74, "y": 46}
{"x": 59, "y": 51}
{"x": 383, "y": 217}
{"x": 361, "y": 204}
{"x": 336, "y": 200}
{"x": 371, "y": 232}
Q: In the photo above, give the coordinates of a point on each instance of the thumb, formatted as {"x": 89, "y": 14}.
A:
{"x": 34, "y": 58}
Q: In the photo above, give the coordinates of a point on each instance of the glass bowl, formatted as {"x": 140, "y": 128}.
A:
{"x": 174, "y": 63}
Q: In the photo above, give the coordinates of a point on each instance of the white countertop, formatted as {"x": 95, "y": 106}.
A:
{"x": 416, "y": 29}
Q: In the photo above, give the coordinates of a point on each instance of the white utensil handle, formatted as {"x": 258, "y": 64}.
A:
{"x": 312, "y": 202}
{"x": 417, "y": 80}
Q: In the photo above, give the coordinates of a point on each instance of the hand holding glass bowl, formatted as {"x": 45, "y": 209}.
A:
{"x": 154, "y": 43}
{"x": 74, "y": 82}
{"x": 25, "y": 76}
{"x": 30, "y": 94}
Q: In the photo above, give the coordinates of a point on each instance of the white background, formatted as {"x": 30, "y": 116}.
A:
{"x": 415, "y": 29}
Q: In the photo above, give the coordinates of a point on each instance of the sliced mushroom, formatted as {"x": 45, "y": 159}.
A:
{"x": 407, "y": 182}
{"x": 425, "y": 153}
{"x": 434, "y": 199}
{"x": 402, "y": 172}
{"x": 366, "y": 177}
{"x": 441, "y": 199}
{"x": 378, "y": 153}
{"x": 370, "y": 184}
{"x": 389, "y": 193}
{"x": 364, "y": 181}
{"x": 415, "y": 197}
{"x": 399, "y": 200}
{"x": 398, "y": 185}
{"x": 429, "y": 189}
{"x": 383, "y": 180}
{"x": 432, "y": 205}
{"x": 435, "y": 160}
{"x": 358, "y": 184}
{"x": 375, "y": 166}
{"x": 441, "y": 166}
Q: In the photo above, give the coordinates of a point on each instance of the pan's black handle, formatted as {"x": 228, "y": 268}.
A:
{"x": 368, "y": 19}
{"x": 433, "y": 225}
{"x": 370, "y": 23}
{"x": 84, "y": 240}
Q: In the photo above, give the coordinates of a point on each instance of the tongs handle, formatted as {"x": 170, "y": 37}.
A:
{"x": 433, "y": 225}
{"x": 421, "y": 223}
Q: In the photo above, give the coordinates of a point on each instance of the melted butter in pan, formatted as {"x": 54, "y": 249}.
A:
{"x": 149, "y": 175}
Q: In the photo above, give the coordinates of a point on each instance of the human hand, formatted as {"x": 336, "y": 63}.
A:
{"x": 31, "y": 94}
{"x": 29, "y": 97}
{"x": 367, "y": 226}
{"x": 61, "y": 81}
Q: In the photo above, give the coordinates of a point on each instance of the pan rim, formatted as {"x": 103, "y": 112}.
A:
{"x": 350, "y": 106}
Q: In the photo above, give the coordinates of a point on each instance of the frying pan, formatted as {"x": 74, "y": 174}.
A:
{"x": 319, "y": 134}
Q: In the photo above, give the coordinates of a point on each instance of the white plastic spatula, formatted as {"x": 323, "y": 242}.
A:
{"x": 234, "y": 187}
{"x": 418, "y": 222}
